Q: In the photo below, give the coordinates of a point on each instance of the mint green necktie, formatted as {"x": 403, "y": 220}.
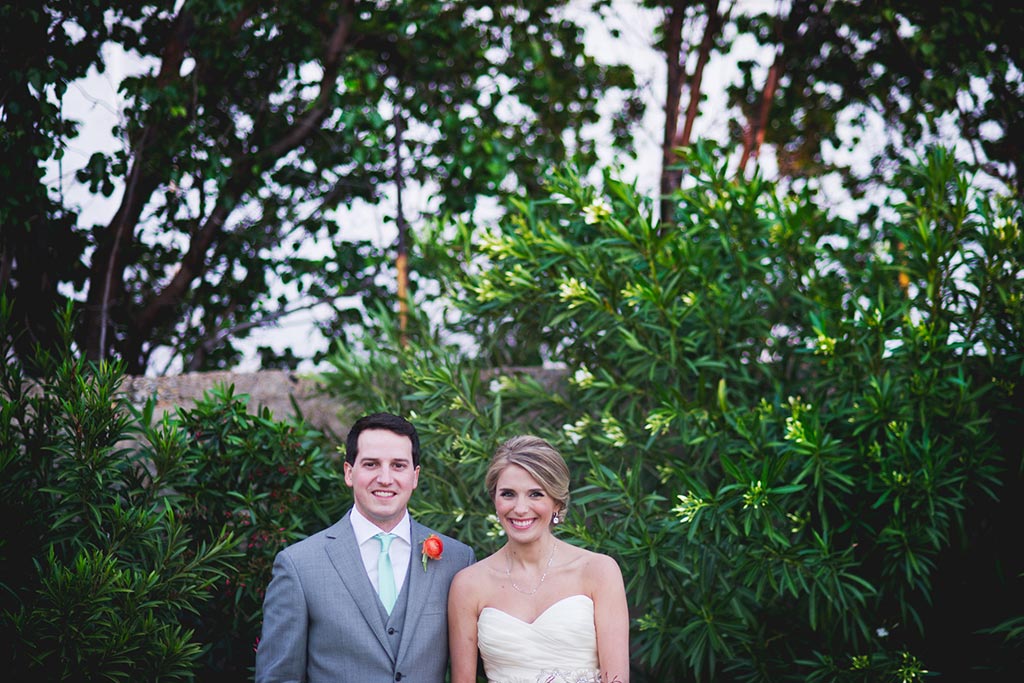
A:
{"x": 385, "y": 574}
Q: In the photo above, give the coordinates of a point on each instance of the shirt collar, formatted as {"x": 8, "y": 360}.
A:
{"x": 365, "y": 529}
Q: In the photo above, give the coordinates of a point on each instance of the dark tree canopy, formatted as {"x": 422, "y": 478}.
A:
{"x": 258, "y": 120}
{"x": 927, "y": 71}
{"x": 849, "y": 78}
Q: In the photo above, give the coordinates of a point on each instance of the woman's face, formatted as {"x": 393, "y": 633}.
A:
{"x": 523, "y": 506}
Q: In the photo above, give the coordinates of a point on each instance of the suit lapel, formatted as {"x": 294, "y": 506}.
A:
{"x": 343, "y": 552}
{"x": 420, "y": 583}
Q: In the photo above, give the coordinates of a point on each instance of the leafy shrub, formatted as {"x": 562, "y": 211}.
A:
{"x": 140, "y": 550}
{"x": 98, "y": 566}
{"x": 792, "y": 430}
{"x": 270, "y": 483}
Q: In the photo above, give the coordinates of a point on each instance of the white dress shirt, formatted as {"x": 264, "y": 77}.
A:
{"x": 369, "y": 547}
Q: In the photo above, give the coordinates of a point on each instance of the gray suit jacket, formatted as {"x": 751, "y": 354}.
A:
{"x": 322, "y": 620}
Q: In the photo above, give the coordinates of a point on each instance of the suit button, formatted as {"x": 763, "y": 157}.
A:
{"x": 391, "y": 632}
{"x": 398, "y": 676}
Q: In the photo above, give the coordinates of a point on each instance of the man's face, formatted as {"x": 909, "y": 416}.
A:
{"x": 382, "y": 478}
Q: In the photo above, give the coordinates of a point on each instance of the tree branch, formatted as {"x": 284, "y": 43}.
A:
{"x": 786, "y": 31}
{"x": 755, "y": 131}
{"x": 214, "y": 340}
{"x": 711, "y": 29}
{"x": 160, "y": 309}
{"x": 316, "y": 114}
{"x": 106, "y": 279}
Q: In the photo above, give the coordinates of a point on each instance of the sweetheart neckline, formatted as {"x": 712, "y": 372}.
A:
{"x": 538, "y": 617}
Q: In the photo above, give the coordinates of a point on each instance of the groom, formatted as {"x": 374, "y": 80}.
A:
{"x": 354, "y": 601}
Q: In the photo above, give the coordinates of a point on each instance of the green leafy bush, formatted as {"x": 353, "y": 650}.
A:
{"x": 99, "y": 568}
{"x": 139, "y": 550}
{"x": 270, "y": 483}
{"x": 793, "y": 431}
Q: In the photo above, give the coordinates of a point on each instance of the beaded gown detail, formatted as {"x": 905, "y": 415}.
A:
{"x": 559, "y": 646}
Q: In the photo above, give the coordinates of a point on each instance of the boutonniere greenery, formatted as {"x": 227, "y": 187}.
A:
{"x": 432, "y": 549}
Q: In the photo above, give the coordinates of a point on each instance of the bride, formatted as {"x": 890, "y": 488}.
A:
{"x": 539, "y": 610}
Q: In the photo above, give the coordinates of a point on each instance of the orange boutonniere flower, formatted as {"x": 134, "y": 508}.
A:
{"x": 432, "y": 549}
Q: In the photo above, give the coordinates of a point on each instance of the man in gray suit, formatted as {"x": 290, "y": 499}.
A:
{"x": 363, "y": 601}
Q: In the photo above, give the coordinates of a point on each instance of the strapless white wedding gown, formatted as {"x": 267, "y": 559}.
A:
{"x": 560, "y": 646}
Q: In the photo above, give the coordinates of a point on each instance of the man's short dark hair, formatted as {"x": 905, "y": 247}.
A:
{"x": 386, "y": 421}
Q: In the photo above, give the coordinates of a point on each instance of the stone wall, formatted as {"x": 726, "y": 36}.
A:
{"x": 273, "y": 389}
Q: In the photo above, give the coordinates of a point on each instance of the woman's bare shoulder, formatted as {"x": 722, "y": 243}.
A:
{"x": 476, "y": 572}
{"x": 466, "y": 574}
{"x": 597, "y": 567}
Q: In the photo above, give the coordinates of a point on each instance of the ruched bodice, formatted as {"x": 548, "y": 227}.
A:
{"x": 559, "y": 646}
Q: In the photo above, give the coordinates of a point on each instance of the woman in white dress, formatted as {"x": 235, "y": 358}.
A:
{"x": 539, "y": 610}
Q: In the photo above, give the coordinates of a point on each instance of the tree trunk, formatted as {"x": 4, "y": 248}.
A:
{"x": 673, "y": 88}
{"x": 754, "y": 137}
{"x": 786, "y": 31}
{"x": 711, "y": 30}
{"x": 676, "y": 75}
{"x": 402, "y": 257}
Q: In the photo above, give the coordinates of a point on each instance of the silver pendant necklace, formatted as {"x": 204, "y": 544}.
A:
{"x": 508, "y": 573}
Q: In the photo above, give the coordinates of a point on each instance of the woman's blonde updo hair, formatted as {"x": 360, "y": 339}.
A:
{"x": 541, "y": 460}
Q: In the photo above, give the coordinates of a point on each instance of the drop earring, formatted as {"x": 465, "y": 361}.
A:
{"x": 554, "y": 520}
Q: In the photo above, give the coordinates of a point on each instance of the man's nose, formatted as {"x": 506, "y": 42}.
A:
{"x": 384, "y": 476}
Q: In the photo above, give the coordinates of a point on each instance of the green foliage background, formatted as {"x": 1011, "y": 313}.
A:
{"x": 793, "y": 431}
